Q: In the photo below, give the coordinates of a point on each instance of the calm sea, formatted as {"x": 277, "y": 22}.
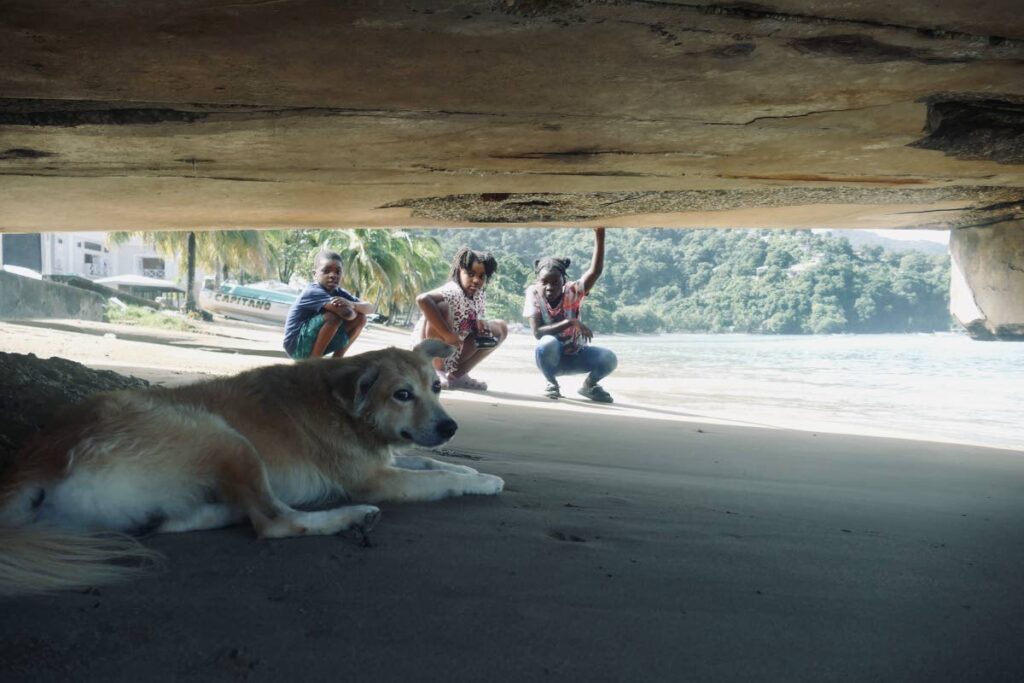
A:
{"x": 939, "y": 386}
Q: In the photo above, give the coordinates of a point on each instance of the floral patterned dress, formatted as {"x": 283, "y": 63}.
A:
{"x": 464, "y": 313}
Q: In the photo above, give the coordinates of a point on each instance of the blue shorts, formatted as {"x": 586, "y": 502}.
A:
{"x": 308, "y": 334}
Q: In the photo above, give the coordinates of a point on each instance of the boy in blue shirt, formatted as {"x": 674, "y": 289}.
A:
{"x": 325, "y": 318}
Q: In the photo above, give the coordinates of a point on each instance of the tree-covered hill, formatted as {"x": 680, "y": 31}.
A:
{"x": 757, "y": 281}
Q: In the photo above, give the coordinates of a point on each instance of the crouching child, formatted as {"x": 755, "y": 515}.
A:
{"x": 325, "y": 318}
{"x": 553, "y": 307}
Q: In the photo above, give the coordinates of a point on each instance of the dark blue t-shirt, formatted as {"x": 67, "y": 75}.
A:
{"x": 309, "y": 303}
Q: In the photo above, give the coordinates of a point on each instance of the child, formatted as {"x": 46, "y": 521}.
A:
{"x": 553, "y": 307}
{"x": 325, "y": 318}
{"x": 455, "y": 313}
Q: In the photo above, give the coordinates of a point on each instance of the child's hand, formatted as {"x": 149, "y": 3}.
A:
{"x": 585, "y": 331}
{"x": 341, "y": 307}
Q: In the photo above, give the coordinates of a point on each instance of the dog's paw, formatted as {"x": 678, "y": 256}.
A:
{"x": 371, "y": 515}
{"x": 486, "y": 485}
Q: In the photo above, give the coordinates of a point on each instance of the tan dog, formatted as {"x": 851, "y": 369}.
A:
{"x": 214, "y": 453}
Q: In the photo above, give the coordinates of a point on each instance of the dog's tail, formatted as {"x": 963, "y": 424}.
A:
{"x": 39, "y": 559}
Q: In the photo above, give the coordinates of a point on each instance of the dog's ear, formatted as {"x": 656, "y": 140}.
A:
{"x": 434, "y": 348}
{"x": 351, "y": 385}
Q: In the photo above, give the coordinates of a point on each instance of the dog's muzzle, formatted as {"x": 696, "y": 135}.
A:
{"x": 442, "y": 431}
{"x": 446, "y": 428}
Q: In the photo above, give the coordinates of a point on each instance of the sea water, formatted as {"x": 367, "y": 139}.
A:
{"x": 946, "y": 387}
{"x": 942, "y": 387}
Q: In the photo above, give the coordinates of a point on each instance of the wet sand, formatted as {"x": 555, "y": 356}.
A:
{"x": 628, "y": 545}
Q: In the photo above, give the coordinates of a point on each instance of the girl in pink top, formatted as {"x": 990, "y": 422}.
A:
{"x": 552, "y": 306}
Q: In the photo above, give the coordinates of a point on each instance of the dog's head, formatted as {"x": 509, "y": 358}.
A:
{"x": 397, "y": 392}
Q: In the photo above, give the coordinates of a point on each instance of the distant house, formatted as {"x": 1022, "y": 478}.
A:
{"x": 805, "y": 266}
{"x": 85, "y": 254}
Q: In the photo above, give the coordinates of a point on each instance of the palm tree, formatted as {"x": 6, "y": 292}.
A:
{"x": 291, "y": 252}
{"x": 210, "y": 248}
{"x": 246, "y": 250}
{"x": 371, "y": 262}
{"x": 425, "y": 268}
{"x": 387, "y": 267}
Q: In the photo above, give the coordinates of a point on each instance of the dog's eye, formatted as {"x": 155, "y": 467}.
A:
{"x": 403, "y": 395}
{"x": 436, "y": 386}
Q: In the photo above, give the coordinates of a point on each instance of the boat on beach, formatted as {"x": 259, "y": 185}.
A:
{"x": 261, "y": 302}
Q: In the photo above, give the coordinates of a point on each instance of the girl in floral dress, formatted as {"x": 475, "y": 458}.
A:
{"x": 455, "y": 313}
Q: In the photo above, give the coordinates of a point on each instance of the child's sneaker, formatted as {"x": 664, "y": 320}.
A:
{"x": 595, "y": 393}
{"x": 466, "y": 382}
{"x": 552, "y": 391}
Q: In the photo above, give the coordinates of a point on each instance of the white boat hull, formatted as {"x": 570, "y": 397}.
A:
{"x": 244, "y": 308}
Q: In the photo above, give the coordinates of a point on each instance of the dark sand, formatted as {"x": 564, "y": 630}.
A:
{"x": 623, "y": 548}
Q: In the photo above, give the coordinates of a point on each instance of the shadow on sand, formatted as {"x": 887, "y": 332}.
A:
{"x": 169, "y": 338}
{"x": 618, "y": 407}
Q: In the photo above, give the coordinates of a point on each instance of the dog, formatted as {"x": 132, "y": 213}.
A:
{"x": 218, "y": 452}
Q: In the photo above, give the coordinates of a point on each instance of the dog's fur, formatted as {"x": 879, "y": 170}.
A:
{"x": 216, "y": 453}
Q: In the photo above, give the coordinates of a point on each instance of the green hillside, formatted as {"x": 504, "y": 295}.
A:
{"x": 755, "y": 281}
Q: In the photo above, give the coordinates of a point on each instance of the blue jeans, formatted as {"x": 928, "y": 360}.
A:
{"x": 552, "y": 360}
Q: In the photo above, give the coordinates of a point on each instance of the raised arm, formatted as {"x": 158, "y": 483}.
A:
{"x": 596, "y": 262}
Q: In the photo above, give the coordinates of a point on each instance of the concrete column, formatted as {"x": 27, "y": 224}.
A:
{"x": 986, "y": 293}
{"x": 46, "y": 245}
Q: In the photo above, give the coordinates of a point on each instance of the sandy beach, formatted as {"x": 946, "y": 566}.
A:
{"x": 630, "y": 544}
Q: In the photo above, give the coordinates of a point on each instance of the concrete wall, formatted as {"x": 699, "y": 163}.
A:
{"x": 79, "y": 282}
{"x": 22, "y": 297}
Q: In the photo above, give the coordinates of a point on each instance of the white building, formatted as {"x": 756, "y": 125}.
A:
{"x": 86, "y": 254}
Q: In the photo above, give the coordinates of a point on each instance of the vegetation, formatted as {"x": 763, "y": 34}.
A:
{"x": 386, "y": 267}
{"x": 754, "y": 281}
{"x": 657, "y": 280}
{"x": 148, "y": 317}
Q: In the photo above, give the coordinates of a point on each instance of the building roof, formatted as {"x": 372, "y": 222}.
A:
{"x": 140, "y": 281}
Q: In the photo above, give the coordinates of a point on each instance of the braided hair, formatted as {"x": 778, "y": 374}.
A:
{"x": 552, "y": 263}
{"x": 465, "y": 258}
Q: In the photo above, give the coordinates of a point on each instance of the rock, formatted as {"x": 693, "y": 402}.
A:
{"x": 638, "y": 114}
{"x": 32, "y": 389}
{"x": 987, "y": 280}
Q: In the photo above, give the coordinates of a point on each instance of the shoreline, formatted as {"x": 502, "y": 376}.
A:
{"x": 227, "y": 347}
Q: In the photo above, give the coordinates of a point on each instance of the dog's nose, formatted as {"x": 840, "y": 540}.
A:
{"x": 447, "y": 427}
